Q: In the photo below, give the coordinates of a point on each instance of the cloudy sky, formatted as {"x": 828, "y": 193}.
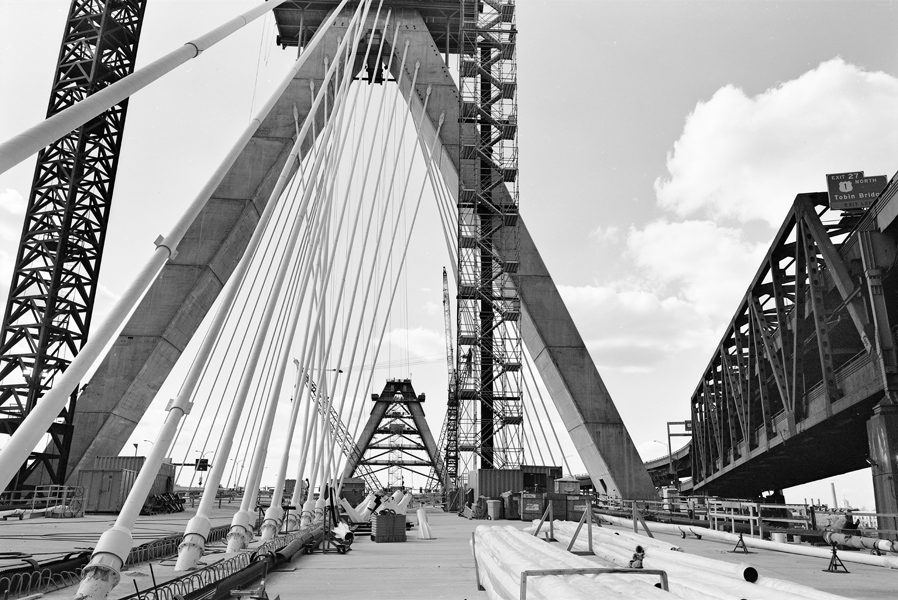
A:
{"x": 660, "y": 145}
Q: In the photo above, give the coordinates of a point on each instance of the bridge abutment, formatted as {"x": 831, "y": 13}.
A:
{"x": 882, "y": 436}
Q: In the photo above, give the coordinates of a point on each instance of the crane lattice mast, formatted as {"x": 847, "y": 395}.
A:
{"x": 54, "y": 283}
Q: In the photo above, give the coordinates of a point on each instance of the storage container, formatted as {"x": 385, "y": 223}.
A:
{"x": 559, "y": 505}
{"x": 493, "y": 482}
{"x": 105, "y": 491}
{"x": 576, "y": 506}
{"x": 353, "y": 490}
{"x": 512, "y": 505}
{"x": 532, "y": 506}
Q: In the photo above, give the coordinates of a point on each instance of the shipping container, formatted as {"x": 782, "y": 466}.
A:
{"x": 105, "y": 491}
{"x": 491, "y": 483}
{"x": 164, "y": 482}
{"x": 540, "y": 478}
{"x": 532, "y": 506}
{"x": 353, "y": 490}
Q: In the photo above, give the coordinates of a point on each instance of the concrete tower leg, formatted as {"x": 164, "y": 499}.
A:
{"x": 882, "y": 435}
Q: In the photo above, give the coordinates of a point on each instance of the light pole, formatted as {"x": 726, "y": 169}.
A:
{"x": 231, "y": 476}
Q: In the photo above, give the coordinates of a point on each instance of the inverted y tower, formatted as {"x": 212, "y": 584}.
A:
{"x": 478, "y": 158}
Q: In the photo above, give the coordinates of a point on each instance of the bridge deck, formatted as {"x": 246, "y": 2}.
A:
{"x": 438, "y": 568}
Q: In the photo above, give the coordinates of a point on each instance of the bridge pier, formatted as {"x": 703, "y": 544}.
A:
{"x": 882, "y": 436}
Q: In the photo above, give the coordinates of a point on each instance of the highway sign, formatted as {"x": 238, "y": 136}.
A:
{"x": 852, "y": 190}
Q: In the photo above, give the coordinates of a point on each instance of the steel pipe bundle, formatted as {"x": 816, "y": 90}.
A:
{"x": 889, "y": 562}
{"x": 691, "y": 577}
{"x": 503, "y": 553}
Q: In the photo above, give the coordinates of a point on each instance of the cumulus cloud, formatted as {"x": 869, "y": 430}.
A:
{"x": 631, "y": 330}
{"x": 746, "y": 157}
{"x": 419, "y": 342}
{"x": 606, "y": 235}
{"x": 701, "y": 262}
{"x": 11, "y": 201}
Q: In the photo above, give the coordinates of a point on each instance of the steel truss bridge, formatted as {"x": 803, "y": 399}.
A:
{"x": 803, "y": 383}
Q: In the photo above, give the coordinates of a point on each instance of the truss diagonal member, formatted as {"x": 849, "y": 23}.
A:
{"x": 772, "y": 355}
{"x": 836, "y": 267}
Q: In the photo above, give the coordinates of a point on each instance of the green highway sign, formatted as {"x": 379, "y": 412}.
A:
{"x": 852, "y": 190}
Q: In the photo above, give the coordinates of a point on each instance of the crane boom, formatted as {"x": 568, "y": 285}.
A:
{"x": 447, "y": 318}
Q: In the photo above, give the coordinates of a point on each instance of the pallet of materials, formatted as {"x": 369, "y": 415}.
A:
{"x": 388, "y": 528}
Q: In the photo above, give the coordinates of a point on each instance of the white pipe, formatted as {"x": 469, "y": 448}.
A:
{"x": 329, "y": 399}
{"x": 274, "y": 513}
{"x": 796, "y": 588}
{"x": 864, "y": 559}
{"x": 240, "y": 531}
{"x": 860, "y": 541}
{"x": 23, "y": 145}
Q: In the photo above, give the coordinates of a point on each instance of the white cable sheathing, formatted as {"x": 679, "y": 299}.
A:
{"x": 502, "y": 553}
{"x": 889, "y": 562}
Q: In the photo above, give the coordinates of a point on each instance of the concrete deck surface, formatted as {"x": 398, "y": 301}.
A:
{"x": 416, "y": 569}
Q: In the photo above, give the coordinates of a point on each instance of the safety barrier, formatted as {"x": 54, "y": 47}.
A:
{"x": 59, "y": 501}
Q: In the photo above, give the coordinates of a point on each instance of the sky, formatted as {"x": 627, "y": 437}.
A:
{"x": 661, "y": 144}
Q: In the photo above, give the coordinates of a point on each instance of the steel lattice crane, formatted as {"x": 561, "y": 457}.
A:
{"x": 448, "y": 442}
{"x": 57, "y": 267}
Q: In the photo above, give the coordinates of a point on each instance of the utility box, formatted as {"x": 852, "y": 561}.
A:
{"x": 105, "y": 490}
{"x": 567, "y": 485}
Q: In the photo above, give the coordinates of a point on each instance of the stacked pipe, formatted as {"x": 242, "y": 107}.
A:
{"x": 691, "y": 577}
{"x": 890, "y": 562}
{"x": 503, "y": 553}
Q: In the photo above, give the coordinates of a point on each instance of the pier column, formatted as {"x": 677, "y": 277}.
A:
{"x": 882, "y": 436}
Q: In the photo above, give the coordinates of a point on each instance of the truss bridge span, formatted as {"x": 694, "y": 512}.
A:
{"x": 803, "y": 383}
